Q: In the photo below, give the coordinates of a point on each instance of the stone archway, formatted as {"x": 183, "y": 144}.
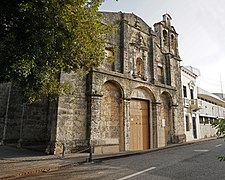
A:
{"x": 111, "y": 119}
{"x": 167, "y": 130}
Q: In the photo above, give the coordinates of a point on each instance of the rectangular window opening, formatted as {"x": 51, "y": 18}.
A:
{"x": 187, "y": 123}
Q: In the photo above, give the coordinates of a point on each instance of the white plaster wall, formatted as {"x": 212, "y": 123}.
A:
{"x": 186, "y": 78}
{"x": 207, "y": 131}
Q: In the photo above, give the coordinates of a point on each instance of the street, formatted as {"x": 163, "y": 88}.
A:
{"x": 190, "y": 162}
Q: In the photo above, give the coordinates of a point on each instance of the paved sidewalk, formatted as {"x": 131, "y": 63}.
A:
{"x": 15, "y": 163}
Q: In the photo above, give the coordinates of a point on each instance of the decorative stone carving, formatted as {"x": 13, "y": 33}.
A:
{"x": 139, "y": 56}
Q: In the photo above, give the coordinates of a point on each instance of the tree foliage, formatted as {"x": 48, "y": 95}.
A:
{"x": 41, "y": 38}
{"x": 219, "y": 124}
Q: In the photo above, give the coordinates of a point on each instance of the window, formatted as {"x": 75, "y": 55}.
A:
{"x": 206, "y": 120}
{"x": 201, "y": 120}
{"x": 165, "y": 38}
{"x": 109, "y": 53}
{"x": 109, "y": 59}
{"x": 187, "y": 123}
{"x": 211, "y": 120}
{"x": 185, "y": 91}
{"x": 160, "y": 74}
{"x": 192, "y": 93}
{"x": 173, "y": 43}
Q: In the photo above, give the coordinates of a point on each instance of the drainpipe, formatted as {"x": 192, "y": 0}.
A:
{"x": 6, "y": 115}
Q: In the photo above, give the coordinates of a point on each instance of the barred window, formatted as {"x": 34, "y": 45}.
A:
{"x": 187, "y": 123}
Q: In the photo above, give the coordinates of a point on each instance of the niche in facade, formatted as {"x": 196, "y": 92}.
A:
{"x": 139, "y": 67}
{"x": 160, "y": 73}
{"x": 138, "y": 59}
{"x": 108, "y": 62}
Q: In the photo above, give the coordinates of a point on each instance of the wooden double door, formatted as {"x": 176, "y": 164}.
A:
{"x": 139, "y": 124}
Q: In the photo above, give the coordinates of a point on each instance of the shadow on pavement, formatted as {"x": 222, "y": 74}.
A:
{"x": 7, "y": 152}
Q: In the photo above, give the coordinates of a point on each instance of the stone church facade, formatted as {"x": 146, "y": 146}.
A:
{"x": 134, "y": 103}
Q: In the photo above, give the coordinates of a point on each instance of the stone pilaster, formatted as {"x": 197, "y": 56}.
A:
{"x": 127, "y": 123}
{"x": 144, "y": 66}
{"x": 156, "y": 124}
{"x": 134, "y": 63}
{"x": 95, "y": 118}
{"x": 178, "y": 125}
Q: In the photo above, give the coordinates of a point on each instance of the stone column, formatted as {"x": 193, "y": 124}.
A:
{"x": 172, "y": 116}
{"x": 175, "y": 124}
{"x": 144, "y": 65}
{"x": 156, "y": 124}
{"x": 178, "y": 125}
{"x": 123, "y": 44}
{"x": 131, "y": 61}
{"x": 134, "y": 63}
{"x": 95, "y": 119}
{"x": 126, "y": 118}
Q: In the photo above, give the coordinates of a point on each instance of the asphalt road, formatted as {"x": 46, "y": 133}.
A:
{"x": 190, "y": 162}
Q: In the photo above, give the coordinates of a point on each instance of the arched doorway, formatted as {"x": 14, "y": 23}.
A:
{"x": 141, "y": 134}
{"x": 166, "y": 119}
{"x": 111, "y": 125}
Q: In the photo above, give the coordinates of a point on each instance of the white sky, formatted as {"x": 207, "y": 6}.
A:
{"x": 200, "y": 25}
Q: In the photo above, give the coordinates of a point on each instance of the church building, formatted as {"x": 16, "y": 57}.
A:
{"x": 134, "y": 103}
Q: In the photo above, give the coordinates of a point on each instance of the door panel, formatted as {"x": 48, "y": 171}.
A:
{"x": 139, "y": 125}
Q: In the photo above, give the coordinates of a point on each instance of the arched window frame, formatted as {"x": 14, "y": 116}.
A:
{"x": 173, "y": 42}
{"x": 165, "y": 37}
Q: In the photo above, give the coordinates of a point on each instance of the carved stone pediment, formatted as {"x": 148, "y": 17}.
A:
{"x": 138, "y": 56}
{"x": 138, "y": 41}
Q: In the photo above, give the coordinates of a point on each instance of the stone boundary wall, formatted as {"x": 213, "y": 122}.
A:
{"x": 27, "y": 125}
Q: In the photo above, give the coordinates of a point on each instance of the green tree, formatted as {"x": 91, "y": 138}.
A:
{"x": 41, "y": 38}
{"x": 219, "y": 124}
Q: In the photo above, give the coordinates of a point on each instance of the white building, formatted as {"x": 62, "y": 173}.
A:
{"x": 200, "y": 107}
{"x": 189, "y": 89}
{"x": 212, "y": 107}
